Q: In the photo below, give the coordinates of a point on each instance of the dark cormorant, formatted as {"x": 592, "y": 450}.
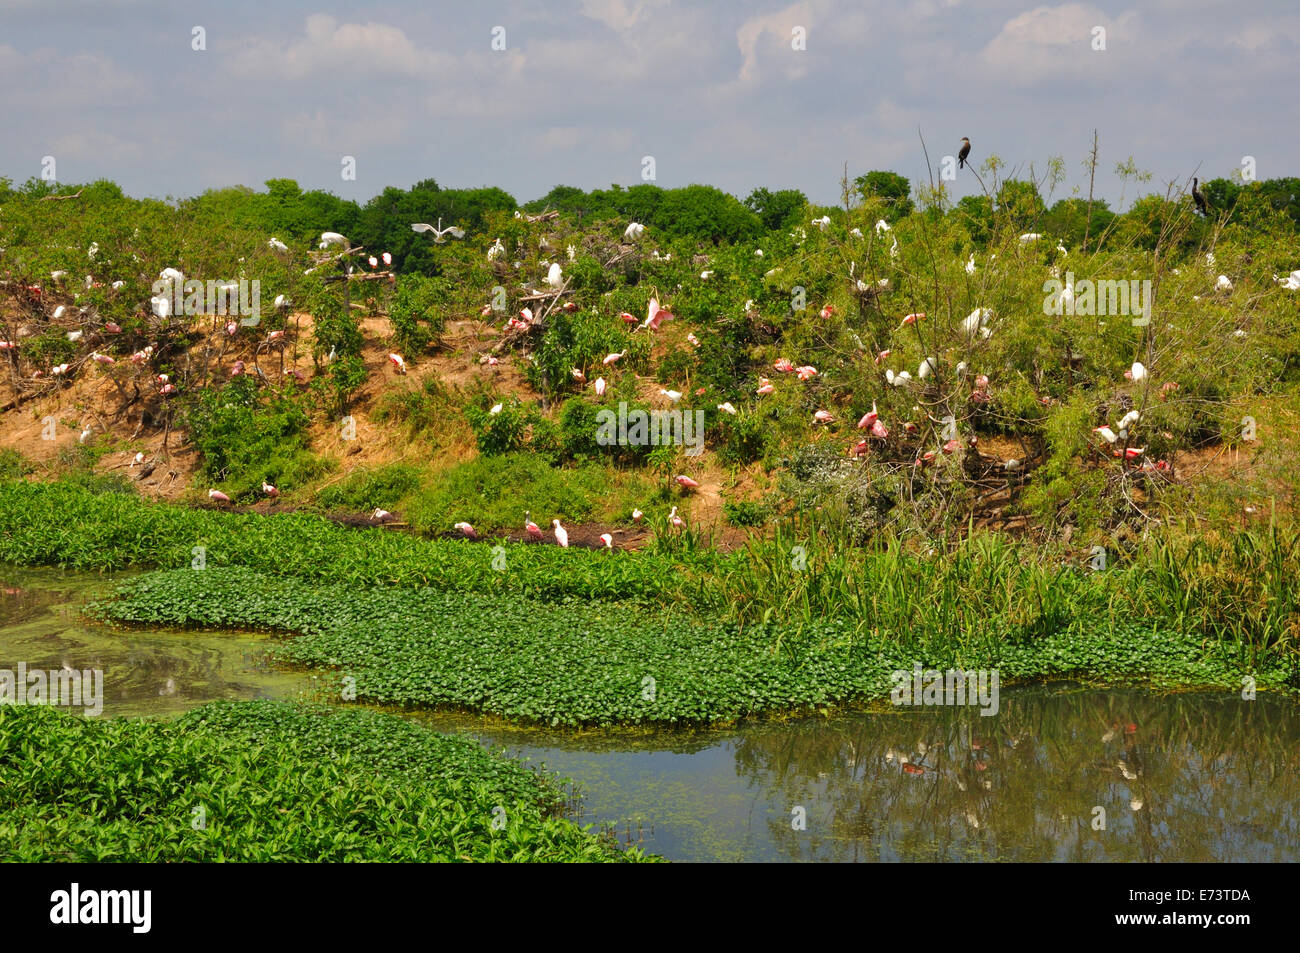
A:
{"x": 1199, "y": 198}
{"x": 965, "y": 151}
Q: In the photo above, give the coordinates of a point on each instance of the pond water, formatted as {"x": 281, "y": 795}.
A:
{"x": 1063, "y": 772}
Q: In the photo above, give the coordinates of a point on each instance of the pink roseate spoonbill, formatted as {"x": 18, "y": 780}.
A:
{"x": 910, "y": 427}
{"x": 608, "y": 540}
{"x": 275, "y": 336}
{"x": 381, "y": 516}
{"x": 167, "y": 390}
{"x": 784, "y": 365}
{"x": 237, "y": 369}
{"x": 1107, "y": 434}
{"x": 982, "y": 382}
{"x": 1132, "y": 453}
{"x": 399, "y": 364}
{"x": 570, "y": 306}
{"x": 466, "y": 530}
{"x": 806, "y": 373}
{"x": 232, "y": 328}
{"x": 102, "y": 358}
{"x": 912, "y": 318}
{"x": 1166, "y": 388}
{"x": 764, "y": 386}
{"x": 636, "y": 515}
{"x": 578, "y": 376}
{"x": 685, "y": 482}
{"x": 7, "y": 346}
{"x": 693, "y": 340}
{"x": 879, "y": 430}
{"x": 627, "y": 318}
{"x": 527, "y": 315}
{"x": 951, "y": 446}
{"x": 531, "y": 528}
{"x": 561, "y": 534}
{"x": 217, "y": 496}
{"x": 701, "y": 391}
{"x": 823, "y": 417}
{"x": 881, "y": 356}
{"x": 727, "y": 408}
{"x": 828, "y": 311}
{"x": 492, "y": 361}
{"x": 112, "y": 328}
{"x": 613, "y": 358}
{"x": 656, "y": 315}
{"x": 927, "y": 456}
{"x": 599, "y": 386}
{"x": 868, "y": 418}
{"x": 1137, "y": 372}
{"x": 270, "y": 490}
{"x": 858, "y": 449}
{"x": 676, "y": 521}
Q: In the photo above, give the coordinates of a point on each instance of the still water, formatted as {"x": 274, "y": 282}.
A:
{"x": 1062, "y": 772}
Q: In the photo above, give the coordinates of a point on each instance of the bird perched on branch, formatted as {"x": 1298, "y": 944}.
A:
{"x": 965, "y": 151}
{"x": 439, "y": 232}
{"x": 1198, "y": 197}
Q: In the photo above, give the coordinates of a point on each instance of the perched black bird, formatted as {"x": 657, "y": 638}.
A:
{"x": 965, "y": 151}
{"x": 1199, "y": 198}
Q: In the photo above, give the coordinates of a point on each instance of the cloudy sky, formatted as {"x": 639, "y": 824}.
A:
{"x": 583, "y": 90}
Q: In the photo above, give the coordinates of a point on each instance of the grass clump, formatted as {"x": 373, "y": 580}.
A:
{"x": 274, "y": 782}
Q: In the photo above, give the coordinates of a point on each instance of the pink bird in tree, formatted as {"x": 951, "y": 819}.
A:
{"x": 466, "y": 530}
{"x": 764, "y": 386}
{"x": 578, "y": 376}
{"x": 676, "y": 521}
{"x": 869, "y": 417}
{"x": 216, "y": 496}
{"x": 784, "y": 365}
{"x": 232, "y": 328}
{"x": 828, "y": 311}
{"x": 628, "y": 318}
{"x": 270, "y": 490}
{"x": 237, "y": 369}
{"x": 912, "y": 318}
{"x": 531, "y": 528}
{"x": 879, "y": 430}
{"x": 613, "y": 358}
{"x": 858, "y": 449}
{"x": 112, "y": 328}
{"x": 686, "y": 482}
{"x": 951, "y": 446}
{"x": 806, "y": 373}
{"x": 823, "y": 417}
{"x": 881, "y": 356}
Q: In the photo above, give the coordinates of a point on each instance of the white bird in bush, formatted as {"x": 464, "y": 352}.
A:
{"x": 561, "y": 534}
{"x": 1137, "y": 372}
{"x": 976, "y": 320}
{"x": 1129, "y": 419}
{"x": 398, "y": 362}
{"x": 1223, "y": 284}
{"x": 882, "y": 226}
{"x": 59, "y": 312}
{"x": 928, "y": 367}
{"x": 281, "y": 302}
{"x": 75, "y": 336}
{"x": 673, "y": 395}
{"x": 439, "y": 233}
{"x": 496, "y": 251}
{"x": 608, "y": 540}
{"x": 578, "y": 376}
{"x": 1030, "y": 237}
{"x": 333, "y": 238}
{"x": 380, "y": 516}
{"x": 856, "y": 233}
{"x": 1106, "y": 433}
{"x": 555, "y": 276}
{"x": 636, "y": 515}
{"x": 496, "y": 409}
{"x": 600, "y": 386}
{"x": 970, "y": 264}
{"x": 727, "y": 408}
{"x": 634, "y": 231}
{"x": 823, "y": 223}
{"x": 276, "y": 245}
{"x": 1291, "y": 282}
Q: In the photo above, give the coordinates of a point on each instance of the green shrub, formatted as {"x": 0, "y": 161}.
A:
{"x": 418, "y": 312}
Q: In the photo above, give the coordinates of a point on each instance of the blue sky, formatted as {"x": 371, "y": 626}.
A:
{"x": 714, "y": 91}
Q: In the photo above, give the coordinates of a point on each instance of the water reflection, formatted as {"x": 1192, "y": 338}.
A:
{"x": 1062, "y": 773}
